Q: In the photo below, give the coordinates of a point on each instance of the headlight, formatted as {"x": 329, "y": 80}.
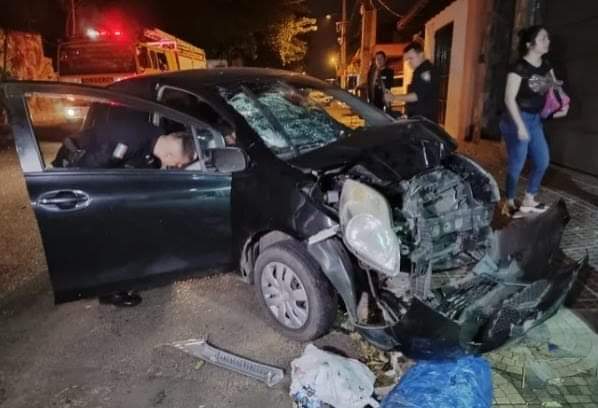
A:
{"x": 367, "y": 227}
{"x": 70, "y": 113}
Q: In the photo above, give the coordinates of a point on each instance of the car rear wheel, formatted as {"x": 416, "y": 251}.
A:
{"x": 297, "y": 298}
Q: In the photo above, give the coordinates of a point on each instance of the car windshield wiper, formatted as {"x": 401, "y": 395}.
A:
{"x": 282, "y": 150}
{"x": 310, "y": 146}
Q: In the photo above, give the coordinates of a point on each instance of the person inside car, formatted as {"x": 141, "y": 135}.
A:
{"x": 126, "y": 144}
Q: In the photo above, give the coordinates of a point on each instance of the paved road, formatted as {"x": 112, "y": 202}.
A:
{"x": 83, "y": 354}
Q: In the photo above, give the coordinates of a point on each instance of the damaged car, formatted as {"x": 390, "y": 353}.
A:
{"x": 320, "y": 200}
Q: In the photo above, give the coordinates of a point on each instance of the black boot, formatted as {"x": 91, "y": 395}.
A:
{"x": 121, "y": 299}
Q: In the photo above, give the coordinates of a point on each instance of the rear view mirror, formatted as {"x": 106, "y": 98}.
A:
{"x": 228, "y": 159}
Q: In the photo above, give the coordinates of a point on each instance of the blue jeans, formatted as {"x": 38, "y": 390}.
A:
{"x": 518, "y": 151}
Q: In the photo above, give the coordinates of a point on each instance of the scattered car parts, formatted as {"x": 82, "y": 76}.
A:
{"x": 267, "y": 374}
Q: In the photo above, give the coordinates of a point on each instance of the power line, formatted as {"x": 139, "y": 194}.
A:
{"x": 388, "y": 9}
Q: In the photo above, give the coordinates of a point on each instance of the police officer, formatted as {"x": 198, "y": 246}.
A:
{"x": 122, "y": 143}
{"x": 423, "y": 92}
{"x": 125, "y": 143}
{"x": 379, "y": 81}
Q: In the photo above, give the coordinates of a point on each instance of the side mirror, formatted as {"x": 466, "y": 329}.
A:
{"x": 228, "y": 159}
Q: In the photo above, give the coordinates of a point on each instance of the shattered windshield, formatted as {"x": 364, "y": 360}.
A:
{"x": 294, "y": 120}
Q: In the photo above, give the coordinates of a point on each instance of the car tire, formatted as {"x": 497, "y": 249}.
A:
{"x": 296, "y": 297}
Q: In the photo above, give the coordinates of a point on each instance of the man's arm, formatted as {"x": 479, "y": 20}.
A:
{"x": 409, "y": 97}
{"x": 388, "y": 78}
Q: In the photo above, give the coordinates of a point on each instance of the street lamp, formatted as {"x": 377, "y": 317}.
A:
{"x": 333, "y": 61}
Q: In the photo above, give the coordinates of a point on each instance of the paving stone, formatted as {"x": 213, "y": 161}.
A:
{"x": 584, "y": 398}
{"x": 570, "y": 383}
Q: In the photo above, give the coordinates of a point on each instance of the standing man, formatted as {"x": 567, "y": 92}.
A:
{"x": 423, "y": 91}
{"x": 379, "y": 82}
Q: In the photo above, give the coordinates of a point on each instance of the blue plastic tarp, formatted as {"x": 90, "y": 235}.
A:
{"x": 462, "y": 383}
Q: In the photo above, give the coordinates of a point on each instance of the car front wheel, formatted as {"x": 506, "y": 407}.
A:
{"x": 297, "y": 298}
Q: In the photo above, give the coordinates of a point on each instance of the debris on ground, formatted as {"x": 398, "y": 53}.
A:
{"x": 320, "y": 378}
{"x": 267, "y": 374}
{"x": 158, "y": 399}
{"x": 461, "y": 383}
{"x": 343, "y": 323}
{"x": 388, "y": 367}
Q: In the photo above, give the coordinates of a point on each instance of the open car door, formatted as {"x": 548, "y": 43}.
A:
{"x": 107, "y": 229}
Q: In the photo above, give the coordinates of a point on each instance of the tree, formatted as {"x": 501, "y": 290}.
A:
{"x": 263, "y": 32}
{"x": 284, "y": 38}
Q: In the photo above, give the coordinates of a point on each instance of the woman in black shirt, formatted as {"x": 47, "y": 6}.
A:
{"x": 528, "y": 82}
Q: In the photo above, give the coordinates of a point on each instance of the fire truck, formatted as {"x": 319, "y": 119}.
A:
{"x": 101, "y": 57}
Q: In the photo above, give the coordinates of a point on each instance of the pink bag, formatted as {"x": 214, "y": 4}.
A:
{"x": 556, "y": 100}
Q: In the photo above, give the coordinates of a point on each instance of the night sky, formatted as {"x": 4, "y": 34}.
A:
{"x": 206, "y": 22}
{"x": 179, "y": 17}
{"x": 323, "y": 43}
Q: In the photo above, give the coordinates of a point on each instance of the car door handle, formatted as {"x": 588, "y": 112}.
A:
{"x": 64, "y": 200}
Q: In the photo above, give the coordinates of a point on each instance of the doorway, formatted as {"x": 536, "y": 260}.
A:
{"x": 442, "y": 59}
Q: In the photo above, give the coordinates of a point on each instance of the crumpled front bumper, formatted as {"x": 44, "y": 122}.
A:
{"x": 515, "y": 302}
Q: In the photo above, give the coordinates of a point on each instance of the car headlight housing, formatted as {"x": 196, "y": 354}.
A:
{"x": 367, "y": 228}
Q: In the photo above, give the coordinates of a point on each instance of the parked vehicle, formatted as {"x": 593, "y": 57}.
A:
{"x": 315, "y": 195}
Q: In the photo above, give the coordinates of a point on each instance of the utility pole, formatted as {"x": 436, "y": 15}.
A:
{"x": 70, "y": 29}
{"x": 5, "y": 51}
{"x": 344, "y": 29}
{"x": 368, "y": 37}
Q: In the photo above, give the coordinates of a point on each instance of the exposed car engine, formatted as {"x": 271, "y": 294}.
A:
{"x": 441, "y": 222}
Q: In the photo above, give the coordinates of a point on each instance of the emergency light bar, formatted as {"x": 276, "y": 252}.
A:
{"x": 94, "y": 34}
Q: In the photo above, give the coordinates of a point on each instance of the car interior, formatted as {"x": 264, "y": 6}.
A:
{"x": 102, "y": 113}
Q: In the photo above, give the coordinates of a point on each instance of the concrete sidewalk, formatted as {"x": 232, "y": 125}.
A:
{"x": 556, "y": 363}
{"x": 580, "y": 192}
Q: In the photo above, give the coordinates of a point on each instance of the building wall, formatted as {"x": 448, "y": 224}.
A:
{"x": 25, "y": 56}
{"x": 573, "y": 26}
{"x": 25, "y": 60}
{"x": 469, "y": 22}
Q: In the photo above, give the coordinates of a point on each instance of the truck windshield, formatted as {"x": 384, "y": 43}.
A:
{"x": 97, "y": 58}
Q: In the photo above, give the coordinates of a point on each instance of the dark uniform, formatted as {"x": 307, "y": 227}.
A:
{"x": 426, "y": 85}
{"x": 113, "y": 144}
{"x": 378, "y": 86}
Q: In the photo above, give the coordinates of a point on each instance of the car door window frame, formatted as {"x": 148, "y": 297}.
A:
{"x": 15, "y": 93}
{"x": 160, "y": 89}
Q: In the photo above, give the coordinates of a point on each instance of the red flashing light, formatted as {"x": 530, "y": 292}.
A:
{"x": 117, "y": 33}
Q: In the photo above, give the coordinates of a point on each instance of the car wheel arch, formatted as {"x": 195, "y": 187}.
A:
{"x": 340, "y": 274}
{"x": 254, "y": 245}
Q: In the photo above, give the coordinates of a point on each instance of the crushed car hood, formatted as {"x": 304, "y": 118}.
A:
{"x": 397, "y": 151}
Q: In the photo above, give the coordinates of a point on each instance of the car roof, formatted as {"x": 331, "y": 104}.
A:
{"x": 199, "y": 79}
